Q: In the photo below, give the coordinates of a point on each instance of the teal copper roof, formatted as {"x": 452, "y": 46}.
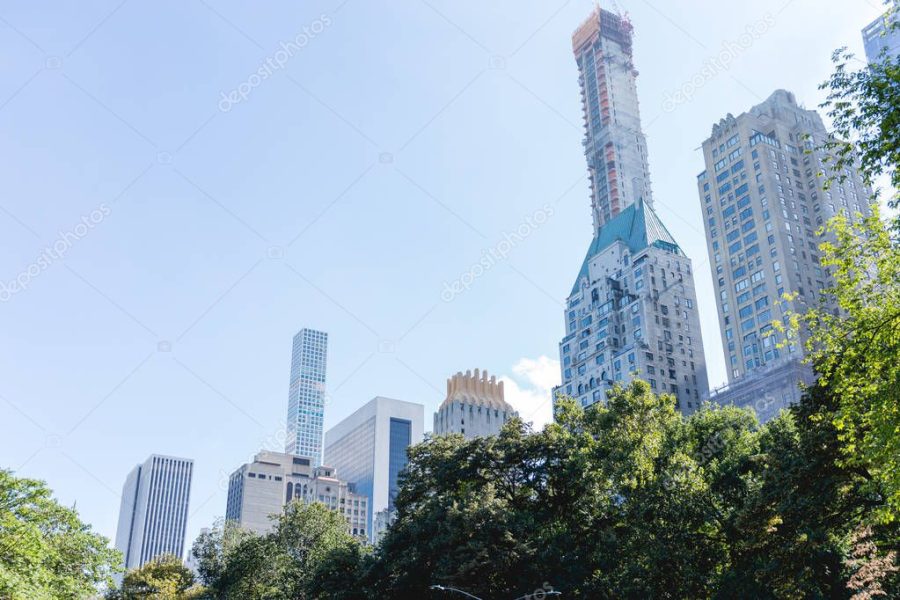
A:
{"x": 638, "y": 226}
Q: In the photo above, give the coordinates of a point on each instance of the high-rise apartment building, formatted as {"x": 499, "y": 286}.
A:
{"x": 368, "y": 449}
{"x": 883, "y": 34}
{"x": 259, "y": 490}
{"x": 474, "y": 406}
{"x": 633, "y": 310}
{"x": 763, "y": 206}
{"x": 306, "y": 395}
{"x": 154, "y": 510}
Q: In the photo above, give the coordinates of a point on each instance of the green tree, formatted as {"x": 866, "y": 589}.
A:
{"x": 307, "y": 540}
{"x": 305, "y": 536}
{"x": 857, "y": 352}
{"x": 45, "y": 550}
{"x": 215, "y": 552}
{"x": 792, "y": 536}
{"x": 341, "y": 574}
{"x": 864, "y": 106}
{"x": 163, "y": 578}
{"x": 625, "y": 500}
{"x": 631, "y": 500}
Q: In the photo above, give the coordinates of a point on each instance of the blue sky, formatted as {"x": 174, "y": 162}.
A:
{"x": 167, "y": 244}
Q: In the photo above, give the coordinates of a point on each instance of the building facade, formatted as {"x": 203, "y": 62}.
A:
{"x": 632, "y": 310}
{"x": 259, "y": 490}
{"x": 306, "y": 395}
{"x": 154, "y": 509}
{"x": 763, "y": 206}
{"x": 882, "y": 34}
{"x": 474, "y": 406}
{"x": 614, "y": 143}
{"x": 369, "y": 447}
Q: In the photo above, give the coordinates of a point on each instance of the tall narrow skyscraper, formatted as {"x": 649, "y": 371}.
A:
{"x": 614, "y": 144}
{"x": 306, "y": 395}
{"x": 633, "y": 310}
{"x": 763, "y": 204}
{"x": 154, "y": 511}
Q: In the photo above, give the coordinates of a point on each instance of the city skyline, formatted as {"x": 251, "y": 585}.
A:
{"x": 214, "y": 353}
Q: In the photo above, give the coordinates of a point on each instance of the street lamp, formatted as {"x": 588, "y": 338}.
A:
{"x": 450, "y": 589}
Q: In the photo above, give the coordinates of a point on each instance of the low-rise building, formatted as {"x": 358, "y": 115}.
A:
{"x": 259, "y": 490}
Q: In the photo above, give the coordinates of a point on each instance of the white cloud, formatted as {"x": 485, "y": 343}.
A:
{"x": 530, "y": 391}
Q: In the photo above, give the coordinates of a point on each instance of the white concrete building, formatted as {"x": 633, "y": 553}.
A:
{"x": 259, "y": 490}
{"x": 474, "y": 406}
{"x": 368, "y": 448}
{"x": 154, "y": 510}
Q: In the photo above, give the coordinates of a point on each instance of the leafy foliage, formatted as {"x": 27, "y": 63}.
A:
{"x": 856, "y": 352}
{"x": 46, "y": 552}
{"x": 309, "y": 545}
{"x": 163, "y": 578}
{"x": 630, "y": 500}
{"x": 864, "y": 106}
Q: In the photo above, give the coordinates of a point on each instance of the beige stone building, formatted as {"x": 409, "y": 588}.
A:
{"x": 763, "y": 208}
{"x": 474, "y": 406}
{"x": 260, "y": 489}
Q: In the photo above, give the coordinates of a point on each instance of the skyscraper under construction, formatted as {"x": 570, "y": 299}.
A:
{"x": 632, "y": 310}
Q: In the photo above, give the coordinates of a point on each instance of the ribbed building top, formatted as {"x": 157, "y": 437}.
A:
{"x": 476, "y": 389}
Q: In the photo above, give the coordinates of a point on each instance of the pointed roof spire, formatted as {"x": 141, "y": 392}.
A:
{"x": 637, "y": 226}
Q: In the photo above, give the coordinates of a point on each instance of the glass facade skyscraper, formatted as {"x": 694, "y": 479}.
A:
{"x": 632, "y": 310}
{"x": 883, "y": 34}
{"x": 306, "y": 395}
{"x": 368, "y": 449}
{"x": 154, "y": 510}
{"x": 400, "y": 440}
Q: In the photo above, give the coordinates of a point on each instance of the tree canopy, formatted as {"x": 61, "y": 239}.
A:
{"x": 163, "y": 578}
{"x": 304, "y": 550}
{"x": 630, "y": 500}
{"x": 46, "y": 552}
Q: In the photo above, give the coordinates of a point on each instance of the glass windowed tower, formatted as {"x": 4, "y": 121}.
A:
{"x": 368, "y": 449}
{"x": 306, "y": 395}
